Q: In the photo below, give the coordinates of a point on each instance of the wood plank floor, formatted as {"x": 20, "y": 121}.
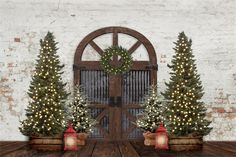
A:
{"x": 118, "y": 149}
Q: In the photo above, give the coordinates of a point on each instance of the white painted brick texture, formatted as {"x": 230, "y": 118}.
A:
{"x": 210, "y": 24}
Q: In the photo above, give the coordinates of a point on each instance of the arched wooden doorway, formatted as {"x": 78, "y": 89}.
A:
{"x": 115, "y": 99}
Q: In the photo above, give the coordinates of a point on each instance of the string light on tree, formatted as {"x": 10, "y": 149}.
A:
{"x": 46, "y": 107}
{"x": 184, "y": 92}
{"x": 153, "y": 109}
{"x": 82, "y": 121}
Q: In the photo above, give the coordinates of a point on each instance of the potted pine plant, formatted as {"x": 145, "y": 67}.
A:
{"x": 81, "y": 119}
{"x": 151, "y": 116}
{"x": 45, "y": 119}
{"x": 186, "y": 113}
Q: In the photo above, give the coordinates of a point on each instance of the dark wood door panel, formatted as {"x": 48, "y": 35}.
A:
{"x": 135, "y": 87}
{"x": 115, "y": 122}
{"x": 115, "y": 118}
{"x": 101, "y": 129}
{"x": 95, "y": 86}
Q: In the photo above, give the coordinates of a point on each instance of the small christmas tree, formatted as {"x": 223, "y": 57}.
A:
{"x": 81, "y": 118}
{"x": 185, "y": 112}
{"x": 45, "y": 112}
{"x": 152, "y": 114}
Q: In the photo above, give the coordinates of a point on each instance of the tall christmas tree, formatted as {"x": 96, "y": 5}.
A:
{"x": 153, "y": 109}
{"x": 185, "y": 111}
{"x": 45, "y": 112}
{"x": 81, "y": 118}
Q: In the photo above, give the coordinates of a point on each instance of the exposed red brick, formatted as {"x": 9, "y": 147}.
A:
{"x": 220, "y": 110}
{"x": 10, "y": 64}
{"x": 5, "y": 90}
{"x": 3, "y": 79}
{"x": 209, "y": 114}
{"x": 231, "y": 115}
{"x": 10, "y": 99}
{"x": 234, "y": 110}
{"x": 17, "y": 40}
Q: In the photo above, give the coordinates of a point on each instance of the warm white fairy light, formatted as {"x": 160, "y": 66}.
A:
{"x": 45, "y": 105}
{"x": 183, "y": 96}
{"x": 81, "y": 118}
{"x": 152, "y": 112}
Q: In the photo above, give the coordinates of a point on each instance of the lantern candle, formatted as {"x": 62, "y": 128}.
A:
{"x": 70, "y": 139}
{"x": 161, "y": 141}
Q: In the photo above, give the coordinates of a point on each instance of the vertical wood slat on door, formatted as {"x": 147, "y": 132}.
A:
{"x": 140, "y": 86}
{"x": 95, "y": 87}
{"x": 102, "y": 88}
{"x": 135, "y": 86}
{"x": 128, "y": 87}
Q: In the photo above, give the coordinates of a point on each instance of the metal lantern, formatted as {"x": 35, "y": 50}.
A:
{"x": 161, "y": 141}
{"x": 70, "y": 139}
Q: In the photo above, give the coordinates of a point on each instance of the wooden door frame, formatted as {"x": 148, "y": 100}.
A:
{"x": 78, "y": 63}
{"x": 95, "y": 65}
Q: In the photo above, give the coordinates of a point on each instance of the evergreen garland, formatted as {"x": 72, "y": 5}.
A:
{"x": 107, "y": 56}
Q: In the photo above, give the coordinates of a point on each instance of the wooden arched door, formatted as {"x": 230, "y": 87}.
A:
{"x": 115, "y": 99}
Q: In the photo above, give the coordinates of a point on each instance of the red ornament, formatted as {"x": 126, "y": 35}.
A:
{"x": 70, "y": 139}
{"x": 161, "y": 138}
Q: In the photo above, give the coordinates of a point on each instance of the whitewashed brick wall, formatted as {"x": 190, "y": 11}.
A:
{"x": 210, "y": 24}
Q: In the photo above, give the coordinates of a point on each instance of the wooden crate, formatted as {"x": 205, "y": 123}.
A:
{"x": 149, "y": 138}
{"x": 82, "y": 138}
{"x": 50, "y": 143}
{"x": 187, "y": 143}
{"x": 53, "y": 143}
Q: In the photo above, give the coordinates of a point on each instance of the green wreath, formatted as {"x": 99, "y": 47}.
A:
{"x": 126, "y": 60}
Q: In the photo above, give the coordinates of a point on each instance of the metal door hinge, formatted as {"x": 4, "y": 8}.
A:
{"x": 152, "y": 67}
{"x": 77, "y": 67}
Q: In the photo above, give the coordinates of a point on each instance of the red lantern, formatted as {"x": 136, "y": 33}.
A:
{"x": 161, "y": 138}
{"x": 70, "y": 139}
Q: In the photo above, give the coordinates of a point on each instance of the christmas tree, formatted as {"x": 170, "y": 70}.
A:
{"x": 185, "y": 111}
{"x": 45, "y": 112}
{"x": 153, "y": 109}
{"x": 81, "y": 118}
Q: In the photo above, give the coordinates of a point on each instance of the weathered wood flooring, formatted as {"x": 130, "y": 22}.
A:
{"x": 118, "y": 149}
